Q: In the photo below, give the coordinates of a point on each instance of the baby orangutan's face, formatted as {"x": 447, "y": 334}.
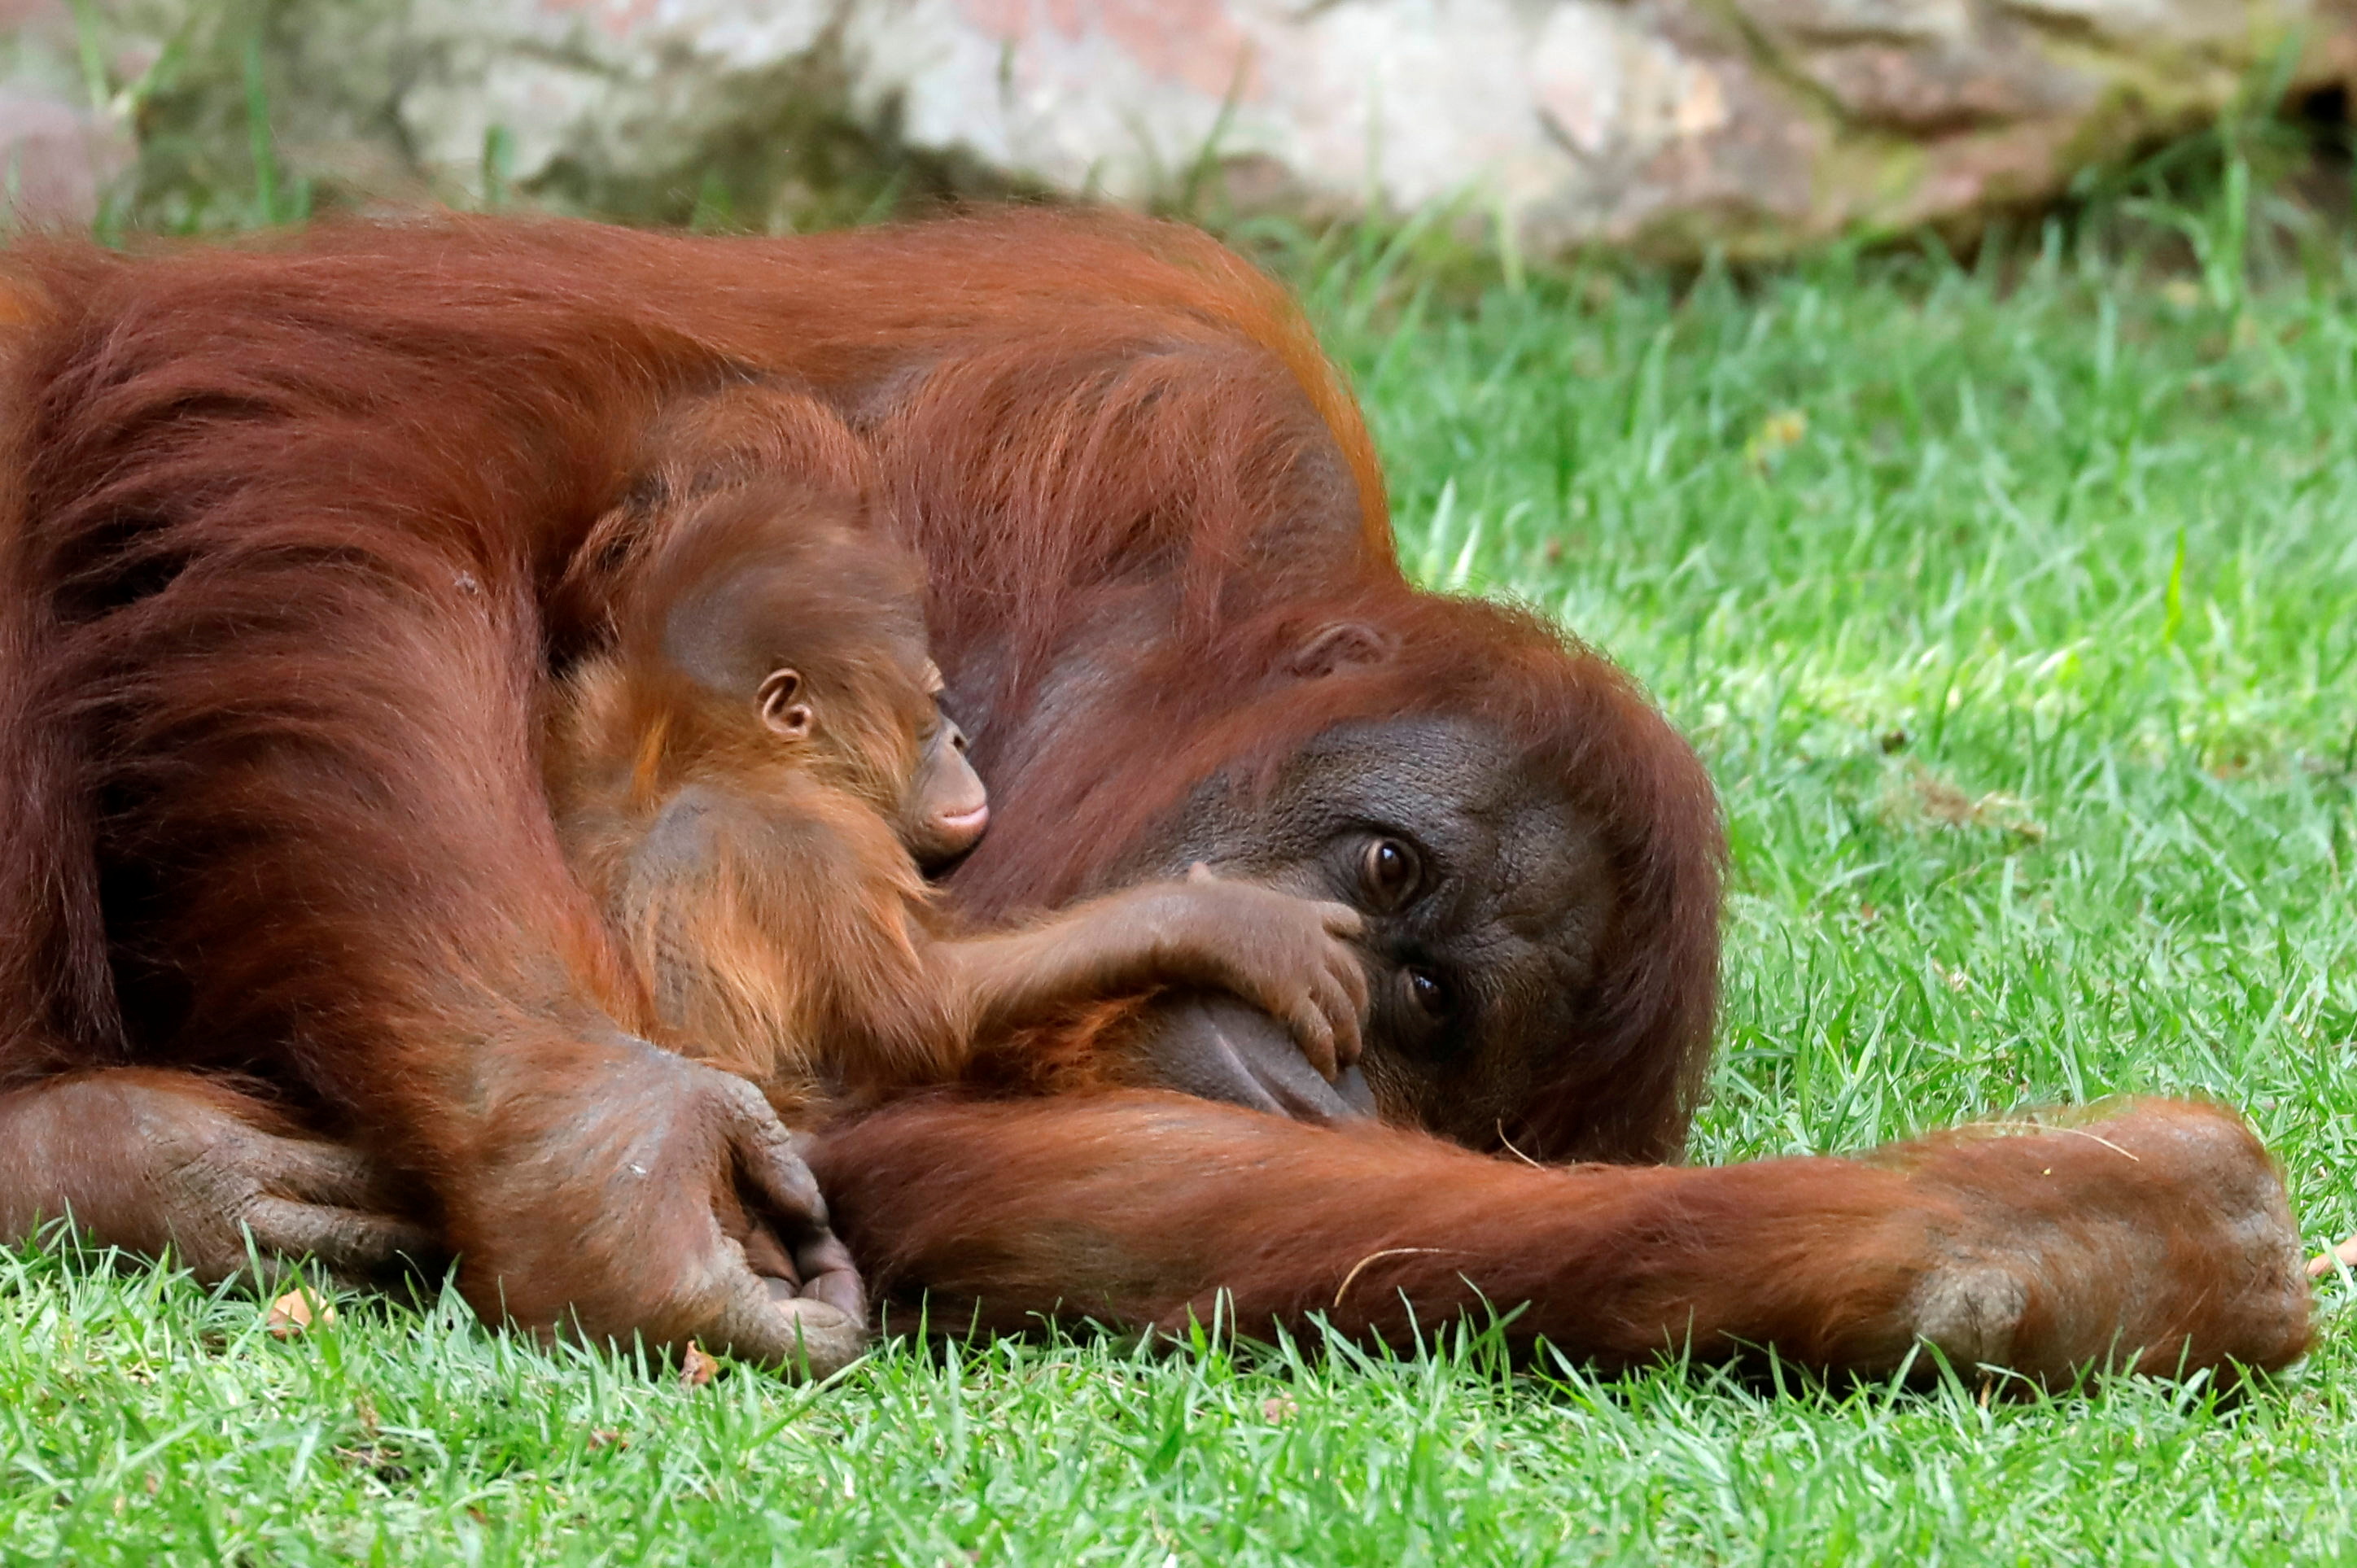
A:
{"x": 945, "y": 807}
{"x": 942, "y": 807}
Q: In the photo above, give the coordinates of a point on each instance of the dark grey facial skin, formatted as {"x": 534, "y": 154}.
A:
{"x": 1485, "y": 898}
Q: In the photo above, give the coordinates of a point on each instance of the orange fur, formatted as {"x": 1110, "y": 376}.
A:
{"x": 774, "y": 921}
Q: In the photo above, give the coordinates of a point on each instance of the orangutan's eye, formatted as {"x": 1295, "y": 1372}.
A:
{"x": 1427, "y": 995}
{"x": 1389, "y": 871}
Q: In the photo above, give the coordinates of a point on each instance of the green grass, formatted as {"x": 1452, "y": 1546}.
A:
{"x": 2015, "y": 613}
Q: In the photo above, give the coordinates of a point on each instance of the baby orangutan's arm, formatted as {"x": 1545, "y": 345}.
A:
{"x": 1290, "y": 957}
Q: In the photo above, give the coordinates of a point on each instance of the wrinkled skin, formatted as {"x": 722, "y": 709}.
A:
{"x": 1498, "y": 903}
{"x": 154, "y": 1163}
{"x": 761, "y": 1277}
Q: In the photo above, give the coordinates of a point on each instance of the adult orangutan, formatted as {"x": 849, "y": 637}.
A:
{"x": 300, "y": 540}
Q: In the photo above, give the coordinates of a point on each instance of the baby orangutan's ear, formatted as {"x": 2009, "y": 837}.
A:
{"x": 778, "y": 707}
{"x": 1342, "y": 645}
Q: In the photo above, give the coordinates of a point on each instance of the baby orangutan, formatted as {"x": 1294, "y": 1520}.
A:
{"x": 750, "y": 780}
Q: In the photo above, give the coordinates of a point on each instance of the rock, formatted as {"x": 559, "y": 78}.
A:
{"x": 1662, "y": 124}
{"x": 58, "y": 153}
{"x": 55, "y": 159}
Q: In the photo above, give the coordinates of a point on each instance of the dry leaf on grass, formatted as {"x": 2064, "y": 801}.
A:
{"x": 1915, "y": 797}
{"x": 294, "y": 1312}
{"x": 696, "y": 1368}
{"x": 1780, "y": 430}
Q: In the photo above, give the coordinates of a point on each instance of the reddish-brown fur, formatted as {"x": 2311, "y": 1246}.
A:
{"x": 2040, "y": 1250}
{"x": 295, "y": 540}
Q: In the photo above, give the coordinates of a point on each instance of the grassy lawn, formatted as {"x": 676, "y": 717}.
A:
{"x": 2017, "y": 619}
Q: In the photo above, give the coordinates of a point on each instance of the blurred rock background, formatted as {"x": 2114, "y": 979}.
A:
{"x": 1662, "y": 126}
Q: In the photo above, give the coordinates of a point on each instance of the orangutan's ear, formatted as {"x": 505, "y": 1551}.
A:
{"x": 779, "y": 703}
{"x": 1343, "y": 645}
